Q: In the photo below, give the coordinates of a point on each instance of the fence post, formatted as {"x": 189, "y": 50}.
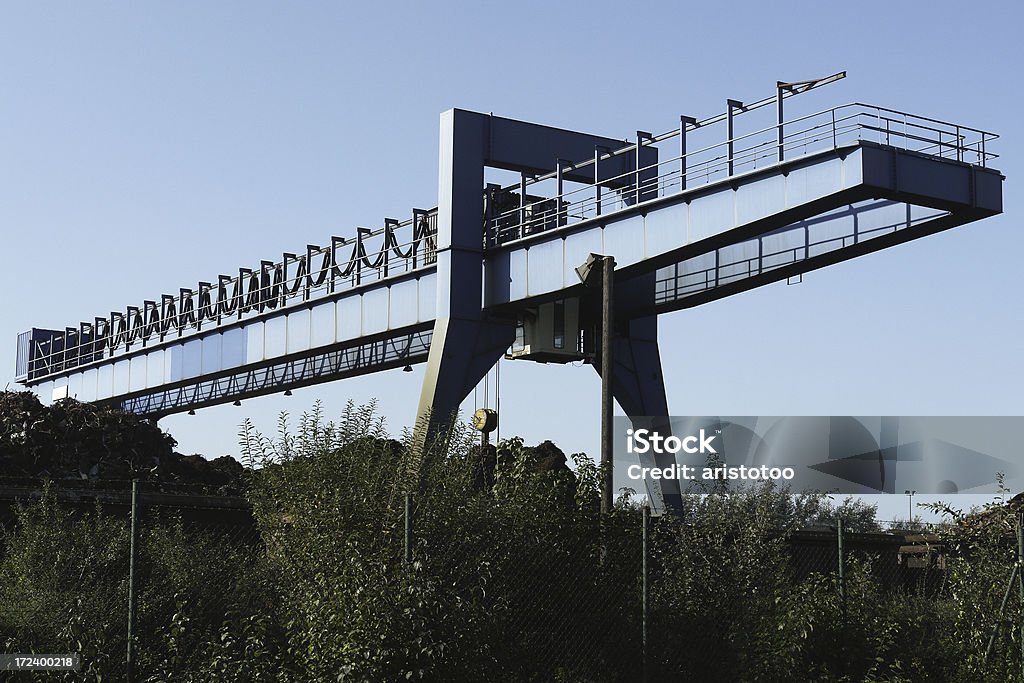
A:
{"x": 130, "y": 654}
{"x": 842, "y": 570}
{"x": 644, "y": 589}
{"x": 408, "y": 528}
{"x": 1020, "y": 582}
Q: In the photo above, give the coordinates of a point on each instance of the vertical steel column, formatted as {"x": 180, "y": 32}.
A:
{"x": 522, "y": 204}
{"x": 560, "y": 189}
{"x": 779, "y": 85}
{"x": 607, "y": 312}
{"x": 597, "y": 180}
{"x": 640, "y": 137}
{"x": 729, "y": 131}
{"x": 684, "y": 121}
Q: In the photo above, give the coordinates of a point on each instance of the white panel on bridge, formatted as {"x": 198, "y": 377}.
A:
{"x": 75, "y": 385}
{"x": 104, "y": 381}
{"x": 89, "y": 379}
{"x": 712, "y": 214}
{"x": 375, "y": 310}
{"x": 275, "y": 337}
{"x": 544, "y": 267}
{"x": 577, "y": 248}
{"x": 191, "y": 359}
{"x": 403, "y": 304}
{"x": 766, "y": 198}
{"x": 298, "y": 330}
{"x": 665, "y": 229}
{"x": 211, "y": 353}
{"x": 517, "y": 274}
{"x": 427, "y": 297}
{"x": 233, "y": 351}
{"x": 624, "y": 240}
{"x": 322, "y": 325}
{"x": 350, "y": 317}
{"x": 254, "y": 351}
{"x": 137, "y": 373}
{"x": 121, "y": 377}
{"x": 823, "y": 178}
{"x": 155, "y": 368}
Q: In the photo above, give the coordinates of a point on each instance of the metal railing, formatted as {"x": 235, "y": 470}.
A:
{"x": 798, "y": 137}
{"x": 372, "y": 255}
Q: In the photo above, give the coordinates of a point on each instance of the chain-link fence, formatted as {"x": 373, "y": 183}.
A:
{"x": 71, "y": 567}
{"x": 556, "y": 594}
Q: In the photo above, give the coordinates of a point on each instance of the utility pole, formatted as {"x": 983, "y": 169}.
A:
{"x": 607, "y": 320}
{"x": 588, "y": 276}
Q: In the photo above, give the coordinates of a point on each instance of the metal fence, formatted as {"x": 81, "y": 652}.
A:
{"x": 150, "y": 587}
{"x": 116, "y": 576}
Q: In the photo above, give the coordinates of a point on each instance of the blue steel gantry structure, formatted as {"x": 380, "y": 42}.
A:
{"x": 701, "y": 212}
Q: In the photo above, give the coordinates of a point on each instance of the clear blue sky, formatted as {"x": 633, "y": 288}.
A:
{"x": 145, "y": 146}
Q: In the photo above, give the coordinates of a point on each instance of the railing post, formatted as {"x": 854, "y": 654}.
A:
{"x": 419, "y": 217}
{"x": 729, "y": 130}
{"x": 597, "y": 180}
{"x": 640, "y": 137}
{"x": 778, "y": 106}
{"x": 522, "y": 204}
{"x": 559, "y": 182}
{"x": 390, "y": 225}
{"x": 684, "y": 121}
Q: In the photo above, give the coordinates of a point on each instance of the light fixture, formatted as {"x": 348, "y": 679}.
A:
{"x": 237, "y": 403}
{"x": 407, "y": 368}
{"x": 192, "y": 412}
{"x": 287, "y": 392}
{"x": 589, "y": 272}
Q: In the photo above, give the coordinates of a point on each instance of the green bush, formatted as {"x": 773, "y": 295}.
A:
{"x": 514, "y": 576}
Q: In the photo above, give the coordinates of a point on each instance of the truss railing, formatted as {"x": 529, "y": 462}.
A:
{"x": 372, "y": 255}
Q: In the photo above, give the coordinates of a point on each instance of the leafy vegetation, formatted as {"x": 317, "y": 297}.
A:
{"x": 514, "y": 575}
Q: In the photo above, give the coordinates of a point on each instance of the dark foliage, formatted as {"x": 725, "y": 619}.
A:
{"x": 73, "y": 441}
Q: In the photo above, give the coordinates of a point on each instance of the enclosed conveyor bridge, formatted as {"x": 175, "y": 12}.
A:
{"x": 709, "y": 209}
